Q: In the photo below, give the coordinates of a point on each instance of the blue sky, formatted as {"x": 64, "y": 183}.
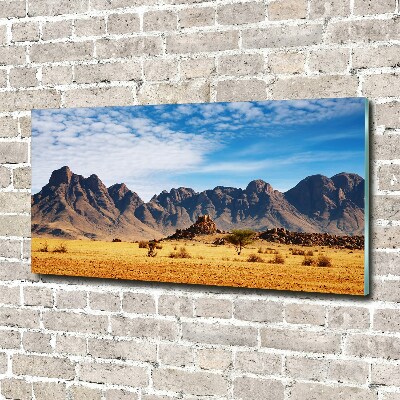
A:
{"x": 152, "y": 148}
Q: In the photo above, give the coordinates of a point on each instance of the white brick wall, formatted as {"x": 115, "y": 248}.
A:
{"x": 70, "y": 338}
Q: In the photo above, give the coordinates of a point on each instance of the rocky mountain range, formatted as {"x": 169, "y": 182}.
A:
{"x": 72, "y": 206}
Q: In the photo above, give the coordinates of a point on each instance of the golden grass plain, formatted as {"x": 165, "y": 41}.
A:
{"x": 209, "y": 264}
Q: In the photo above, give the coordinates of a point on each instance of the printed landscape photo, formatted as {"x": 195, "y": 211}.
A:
{"x": 268, "y": 194}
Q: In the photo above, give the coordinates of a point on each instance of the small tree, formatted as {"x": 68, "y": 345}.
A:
{"x": 240, "y": 238}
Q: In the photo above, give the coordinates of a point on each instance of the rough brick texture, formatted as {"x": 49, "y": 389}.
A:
{"x": 63, "y": 338}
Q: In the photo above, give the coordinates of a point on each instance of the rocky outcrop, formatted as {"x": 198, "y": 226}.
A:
{"x": 203, "y": 226}
{"x": 281, "y": 235}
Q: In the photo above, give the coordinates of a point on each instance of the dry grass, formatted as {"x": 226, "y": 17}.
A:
{"x": 209, "y": 265}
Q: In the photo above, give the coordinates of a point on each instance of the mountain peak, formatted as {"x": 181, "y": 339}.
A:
{"x": 59, "y": 176}
{"x": 258, "y": 186}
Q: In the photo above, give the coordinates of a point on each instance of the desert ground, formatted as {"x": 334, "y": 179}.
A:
{"x": 207, "y": 264}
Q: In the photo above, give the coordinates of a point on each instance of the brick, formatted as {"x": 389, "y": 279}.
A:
{"x": 372, "y": 346}
{"x": 26, "y": 248}
{"x": 388, "y": 114}
{"x": 123, "y": 349}
{"x": 53, "y": 8}
{"x": 213, "y": 308}
{"x": 376, "y": 57}
{"x": 348, "y": 317}
{"x": 362, "y": 31}
{"x": 56, "y": 30}
{"x": 3, "y": 78}
{"x": 95, "y": 26}
{"x": 386, "y": 147}
{"x": 144, "y": 328}
{"x": 5, "y": 177}
{"x": 22, "y": 178}
{"x": 178, "y": 306}
{"x": 307, "y": 368}
{"x": 157, "y": 69}
{"x": 37, "y": 342}
{"x": 128, "y": 47}
{"x": 175, "y": 355}
{"x": 159, "y": 21}
{"x": 386, "y": 320}
{"x": 386, "y": 207}
{"x": 3, "y": 363}
{"x": 386, "y": 237}
{"x": 214, "y": 359}
{"x": 241, "y": 13}
{"x": 385, "y": 374}
{"x": 11, "y": 271}
{"x": 10, "y": 295}
{"x": 63, "y": 51}
{"x": 115, "y": 4}
{"x": 10, "y": 248}
{"x": 71, "y": 345}
{"x": 258, "y": 389}
{"x": 346, "y": 371}
{"x": 390, "y": 396}
{"x": 385, "y": 263}
{"x": 10, "y": 339}
{"x": 16, "y": 389}
{"x": 307, "y": 87}
{"x": 53, "y": 75}
{"x": 197, "y": 68}
{"x": 202, "y": 42}
{"x": 49, "y": 390}
{"x": 241, "y": 64}
{"x": 8, "y": 127}
{"x": 121, "y": 394}
{"x": 15, "y": 225}
{"x": 329, "y": 61}
{"x": 305, "y": 314}
{"x": 73, "y": 322}
{"x": 114, "y": 374}
{"x": 193, "y": 91}
{"x": 25, "y": 32}
{"x": 82, "y": 392}
{"x": 3, "y": 35}
{"x": 98, "y": 97}
{"x": 387, "y": 290}
{"x": 12, "y": 55}
{"x": 297, "y": 340}
{"x": 229, "y": 335}
{"x": 256, "y": 362}
{"x": 24, "y": 126}
{"x": 71, "y": 299}
{"x": 310, "y": 391}
{"x": 48, "y": 367}
{"x": 28, "y": 99}
{"x": 329, "y": 8}
{"x": 191, "y": 17}
{"x": 241, "y": 90}
{"x": 119, "y": 24}
{"x": 108, "y": 72}
{"x": 368, "y": 7}
{"x": 15, "y": 202}
{"x": 194, "y": 383}
{"x": 12, "y": 8}
{"x": 139, "y": 303}
{"x": 388, "y": 177}
{"x": 282, "y": 36}
{"x": 382, "y": 85}
{"x": 283, "y": 9}
{"x": 13, "y": 152}
{"x": 23, "y": 77}
{"x": 258, "y": 311}
{"x": 104, "y": 301}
